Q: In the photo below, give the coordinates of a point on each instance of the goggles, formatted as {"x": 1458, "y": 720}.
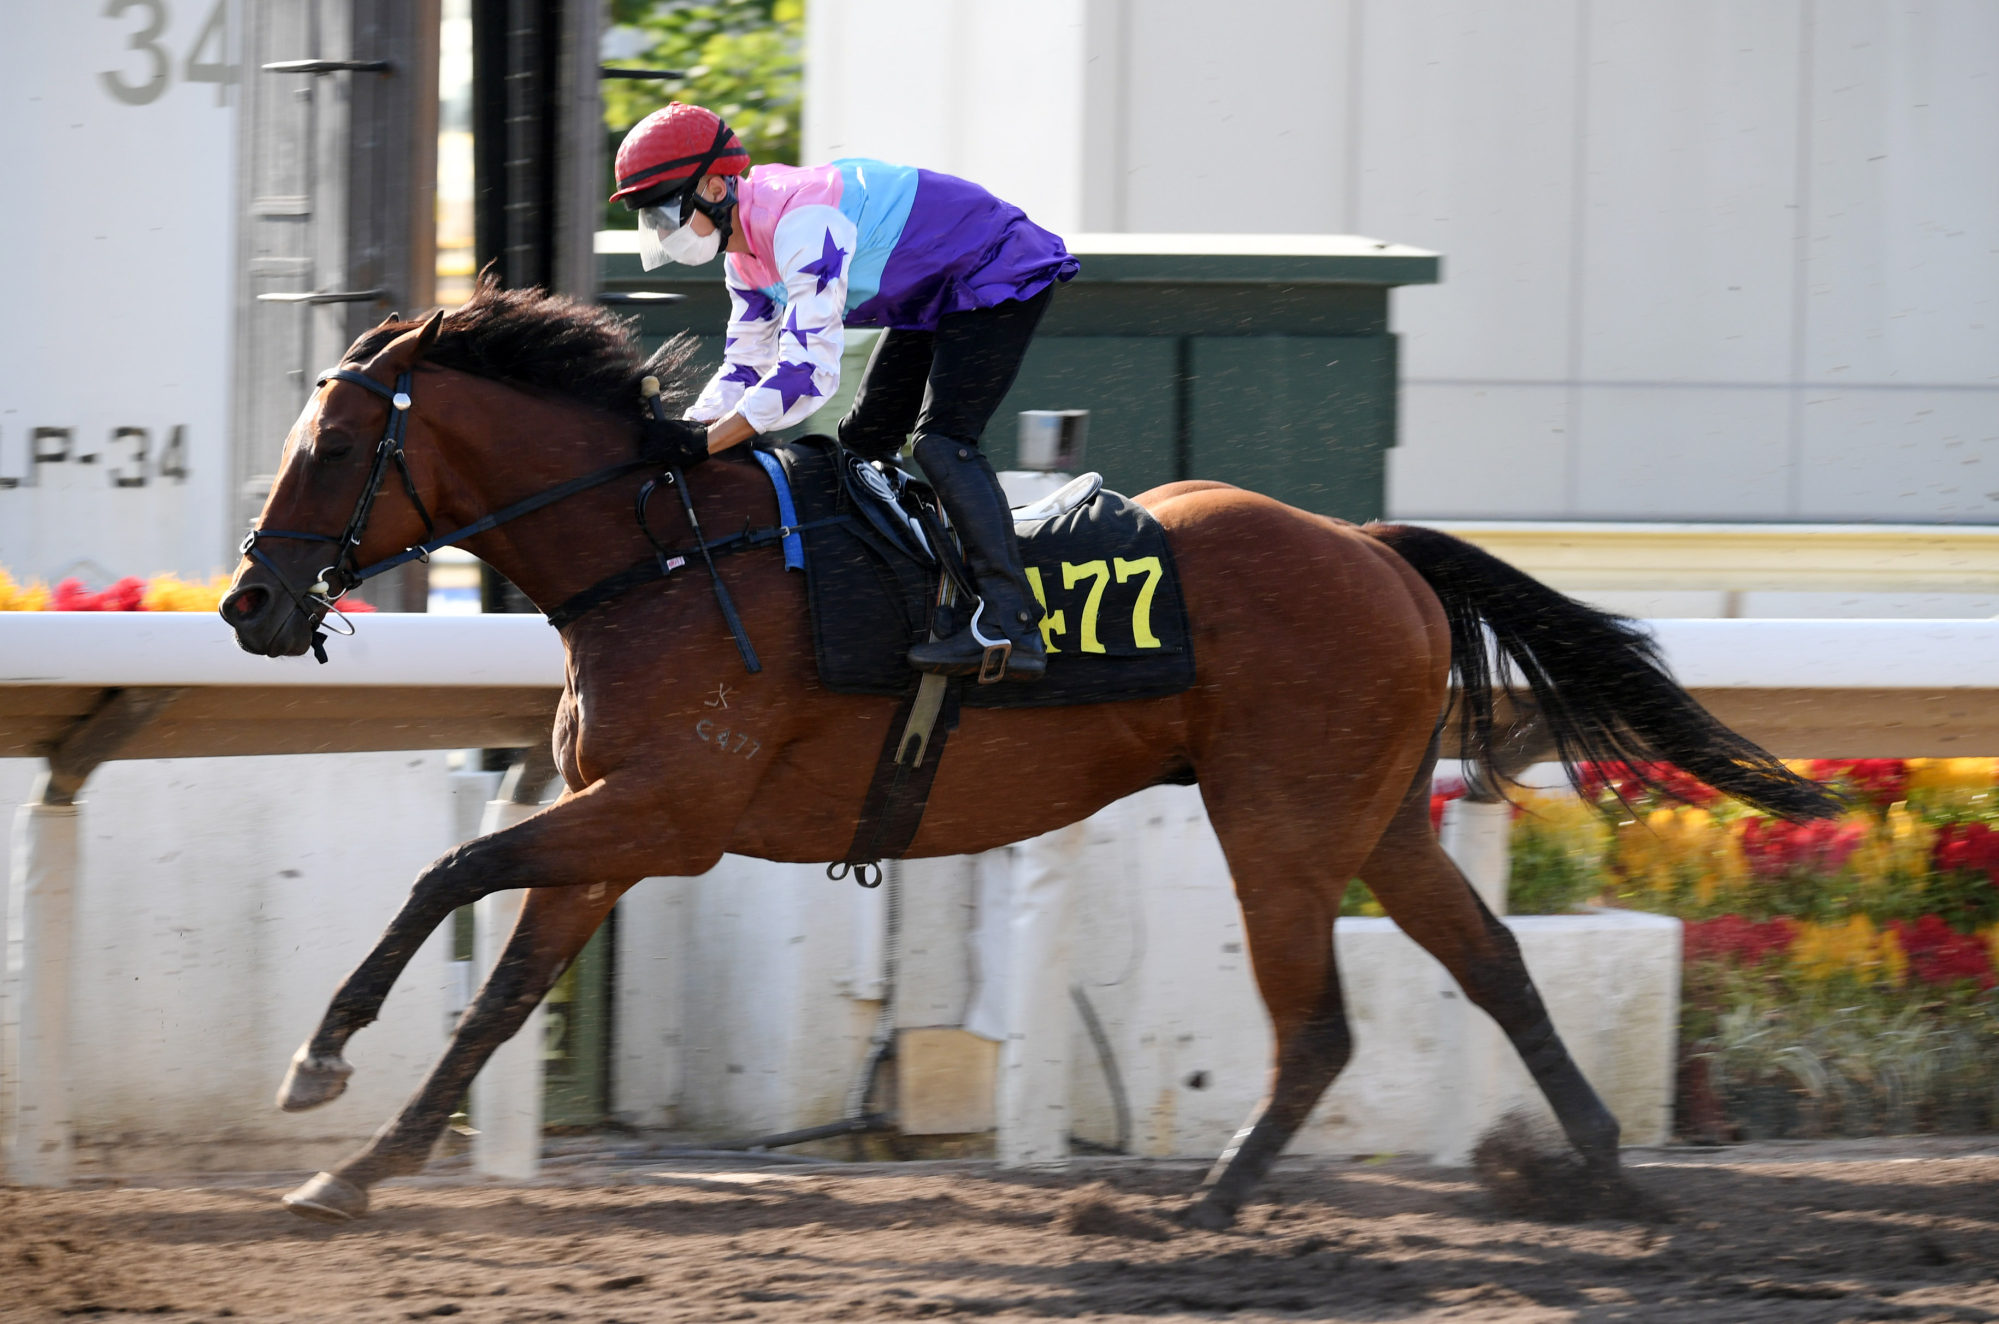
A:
{"x": 657, "y": 222}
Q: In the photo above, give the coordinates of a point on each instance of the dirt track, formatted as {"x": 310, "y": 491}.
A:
{"x": 1873, "y": 1230}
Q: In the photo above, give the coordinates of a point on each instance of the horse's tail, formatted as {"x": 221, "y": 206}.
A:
{"x": 1597, "y": 681}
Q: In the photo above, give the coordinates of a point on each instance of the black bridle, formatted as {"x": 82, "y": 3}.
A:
{"x": 340, "y": 577}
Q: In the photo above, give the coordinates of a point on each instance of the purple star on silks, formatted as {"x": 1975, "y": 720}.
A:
{"x": 827, "y": 268}
{"x": 792, "y": 328}
{"x": 757, "y": 305}
{"x": 790, "y": 381}
{"x": 744, "y": 373}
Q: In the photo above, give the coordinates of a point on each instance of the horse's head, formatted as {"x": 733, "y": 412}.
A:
{"x": 323, "y": 520}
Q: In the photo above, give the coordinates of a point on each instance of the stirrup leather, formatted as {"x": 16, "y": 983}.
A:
{"x": 992, "y": 666}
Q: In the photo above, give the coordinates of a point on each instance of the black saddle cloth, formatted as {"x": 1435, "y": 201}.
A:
{"x": 1114, "y": 618}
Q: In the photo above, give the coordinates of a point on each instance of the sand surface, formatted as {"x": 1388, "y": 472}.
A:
{"x": 1868, "y": 1230}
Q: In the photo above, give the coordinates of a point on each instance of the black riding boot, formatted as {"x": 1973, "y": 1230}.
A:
{"x": 1004, "y": 637}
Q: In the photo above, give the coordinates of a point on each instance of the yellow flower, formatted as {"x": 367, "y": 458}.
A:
{"x": 172, "y": 593}
{"x": 1953, "y": 774}
{"x": 1894, "y": 961}
{"x": 15, "y": 596}
{"x": 1856, "y": 947}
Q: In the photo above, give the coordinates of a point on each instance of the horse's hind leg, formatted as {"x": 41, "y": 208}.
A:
{"x": 1423, "y": 892}
{"x": 1287, "y": 920}
{"x": 553, "y": 926}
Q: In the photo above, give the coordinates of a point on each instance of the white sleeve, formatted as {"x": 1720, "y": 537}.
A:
{"x": 810, "y": 249}
{"x": 749, "y": 349}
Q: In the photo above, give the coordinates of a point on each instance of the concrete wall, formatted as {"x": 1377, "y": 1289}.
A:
{"x": 1158, "y": 950}
{"x": 220, "y": 902}
{"x": 772, "y": 1035}
{"x": 1704, "y": 260}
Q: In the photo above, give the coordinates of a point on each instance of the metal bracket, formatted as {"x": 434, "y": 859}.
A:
{"x": 330, "y": 67}
{"x": 98, "y": 737}
{"x": 324, "y": 296}
{"x": 639, "y": 297}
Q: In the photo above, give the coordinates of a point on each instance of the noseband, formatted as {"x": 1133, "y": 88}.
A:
{"x": 336, "y": 579}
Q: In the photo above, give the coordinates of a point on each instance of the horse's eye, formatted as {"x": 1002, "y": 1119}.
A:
{"x": 331, "y": 449}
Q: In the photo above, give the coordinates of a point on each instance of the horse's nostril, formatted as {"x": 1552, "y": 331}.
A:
{"x": 246, "y": 604}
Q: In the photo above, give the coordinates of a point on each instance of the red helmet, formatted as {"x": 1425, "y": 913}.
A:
{"x": 675, "y": 142}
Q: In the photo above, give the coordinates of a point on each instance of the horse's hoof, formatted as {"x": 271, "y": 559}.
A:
{"x": 329, "y": 1199}
{"x": 1208, "y": 1216}
{"x": 312, "y": 1081}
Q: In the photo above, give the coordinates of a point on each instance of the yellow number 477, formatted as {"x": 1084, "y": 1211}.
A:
{"x": 1099, "y": 575}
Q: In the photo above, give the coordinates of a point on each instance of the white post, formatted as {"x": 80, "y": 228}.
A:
{"x": 506, "y": 1096}
{"x": 1477, "y": 835}
{"x": 1032, "y": 1104}
{"x": 41, "y": 917}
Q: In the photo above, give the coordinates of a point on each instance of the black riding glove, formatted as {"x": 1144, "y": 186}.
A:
{"x": 676, "y": 442}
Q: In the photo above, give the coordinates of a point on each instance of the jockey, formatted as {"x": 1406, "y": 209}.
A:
{"x": 956, "y": 278}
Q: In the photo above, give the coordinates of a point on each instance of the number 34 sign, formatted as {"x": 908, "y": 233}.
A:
{"x": 150, "y": 69}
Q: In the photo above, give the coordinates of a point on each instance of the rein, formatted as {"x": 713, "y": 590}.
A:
{"x": 336, "y": 580}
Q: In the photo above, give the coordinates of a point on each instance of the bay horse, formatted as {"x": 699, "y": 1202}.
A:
{"x": 1325, "y": 654}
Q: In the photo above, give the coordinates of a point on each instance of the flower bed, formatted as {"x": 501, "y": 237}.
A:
{"x": 1839, "y": 976}
{"x": 160, "y": 593}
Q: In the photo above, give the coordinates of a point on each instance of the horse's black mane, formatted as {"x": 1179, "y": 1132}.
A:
{"x": 543, "y": 342}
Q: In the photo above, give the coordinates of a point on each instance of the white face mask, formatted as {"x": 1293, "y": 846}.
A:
{"x": 691, "y": 249}
{"x": 664, "y": 238}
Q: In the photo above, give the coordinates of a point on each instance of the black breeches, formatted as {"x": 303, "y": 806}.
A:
{"x": 948, "y": 381}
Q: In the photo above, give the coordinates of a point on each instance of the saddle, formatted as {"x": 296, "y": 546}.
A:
{"x": 1113, "y": 621}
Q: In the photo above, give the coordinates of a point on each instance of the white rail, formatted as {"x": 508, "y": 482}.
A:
{"x": 188, "y": 648}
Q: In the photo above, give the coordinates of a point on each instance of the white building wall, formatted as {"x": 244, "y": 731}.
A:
{"x": 1702, "y": 260}
{"x": 117, "y": 257}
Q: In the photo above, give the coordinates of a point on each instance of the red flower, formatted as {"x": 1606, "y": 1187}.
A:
{"x": 1973, "y": 846}
{"x": 1878, "y": 781}
{"x": 71, "y": 595}
{"x": 1441, "y": 792}
{"x": 1939, "y": 954}
{"x": 1634, "y": 782}
{"x": 1775, "y": 847}
{"x": 1738, "y": 941}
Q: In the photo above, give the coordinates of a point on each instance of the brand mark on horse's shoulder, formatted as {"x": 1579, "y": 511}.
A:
{"x": 726, "y": 741}
{"x": 721, "y": 699}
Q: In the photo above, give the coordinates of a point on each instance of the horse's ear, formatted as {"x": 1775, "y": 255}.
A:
{"x": 426, "y": 335}
{"x": 408, "y": 349}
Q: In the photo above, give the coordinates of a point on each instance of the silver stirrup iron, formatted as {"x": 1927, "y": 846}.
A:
{"x": 992, "y": 667}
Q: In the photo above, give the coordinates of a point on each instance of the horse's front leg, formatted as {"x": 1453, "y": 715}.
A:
{"x": 319, "y": 1070}
{"x": 583, "y": 838}
{"x": 554, "y": 924}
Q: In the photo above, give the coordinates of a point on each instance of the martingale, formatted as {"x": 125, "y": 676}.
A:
{"x": 1113, "y": 618}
